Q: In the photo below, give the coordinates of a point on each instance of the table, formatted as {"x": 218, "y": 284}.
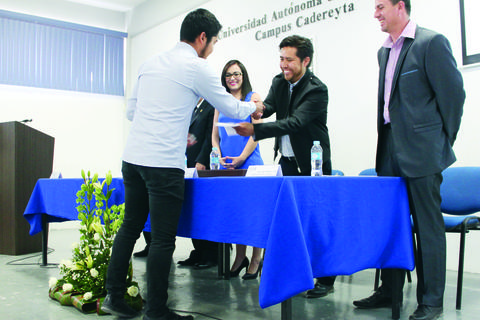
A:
{"x": 318, "y": 226}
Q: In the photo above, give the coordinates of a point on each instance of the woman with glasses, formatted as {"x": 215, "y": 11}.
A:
{"x": 237, "y": 152}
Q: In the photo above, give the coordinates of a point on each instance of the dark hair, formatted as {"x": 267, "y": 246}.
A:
{"x": 304, "y": 46}
{"x": 246, "y": 86}
{"x": 408, "y": 6}
{"x": 198, "y": 21}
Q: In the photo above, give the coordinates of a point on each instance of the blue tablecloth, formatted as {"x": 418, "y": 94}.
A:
{"x": 310, "y": 226}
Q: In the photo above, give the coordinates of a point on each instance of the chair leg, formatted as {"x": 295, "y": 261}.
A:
{"x": 460, "y": 267}
{"x": 409, "y": 276}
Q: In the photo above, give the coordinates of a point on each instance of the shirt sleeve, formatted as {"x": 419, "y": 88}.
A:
{"x": 132, "y": 103}
{"x": 207, "y": 85}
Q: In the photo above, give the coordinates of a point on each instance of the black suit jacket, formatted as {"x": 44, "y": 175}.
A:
{"x": 201, "y": 126}
{"x": 303, "y": 117}
{"x": 426, "y": 104}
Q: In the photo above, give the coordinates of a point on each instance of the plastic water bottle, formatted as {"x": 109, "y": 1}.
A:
{"x": 317, "y": 159}
{"x": 214, "y": 159}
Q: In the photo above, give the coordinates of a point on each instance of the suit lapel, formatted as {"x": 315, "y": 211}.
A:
{"x": 196, "y": 113}
{"x": 383, "y": 59}
{"x": 405, "y": 48}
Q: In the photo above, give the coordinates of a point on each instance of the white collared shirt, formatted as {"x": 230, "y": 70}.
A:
{"x": 166, "y": 92}
{"x": 285, "y": 145}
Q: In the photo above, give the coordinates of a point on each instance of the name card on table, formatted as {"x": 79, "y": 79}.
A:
{"x": 264, "y": 171}
{"x": 191, "y": 173}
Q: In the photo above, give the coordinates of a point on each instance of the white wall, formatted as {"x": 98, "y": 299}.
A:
{"x": 88, "y": 128}
{"x": 68, "y": 11}
{"x": 345, "y": 59}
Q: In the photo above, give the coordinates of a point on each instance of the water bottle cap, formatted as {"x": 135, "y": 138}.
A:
{"x": 316, "y": 143}
{"x": 214, "y": 148}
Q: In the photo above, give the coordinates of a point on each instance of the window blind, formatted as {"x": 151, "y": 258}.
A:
{"x": 46, "y": 53}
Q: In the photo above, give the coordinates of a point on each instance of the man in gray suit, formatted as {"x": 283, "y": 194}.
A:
{"x": 420, "y": 105}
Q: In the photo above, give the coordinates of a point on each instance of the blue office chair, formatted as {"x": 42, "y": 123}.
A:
{"x": 337, "y": 173}
{"x": 460, "y": 193}
{"x": 368, "y": 172}
{"x": 372, "y": 172}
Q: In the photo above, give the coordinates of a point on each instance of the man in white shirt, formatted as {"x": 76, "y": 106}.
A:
{"x": 167, "y": 89}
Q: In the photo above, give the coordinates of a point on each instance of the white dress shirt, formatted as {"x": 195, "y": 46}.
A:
{"x": 285, "y": 145}
{"x": 166, "y": 92}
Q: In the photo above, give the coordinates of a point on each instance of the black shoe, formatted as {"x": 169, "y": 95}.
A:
{"x": 192, "y": 259}
{"x": 424, "y": 312}
{"x": 253, "y": 276}
{"x": 170, "y": 316}
{"x": 143, "y": 253}
{"x": 118, "y": 307}
{"x": 377, "y": 300}
{"x": 320, "y": 290}
{"x": 244, "y": 264}
{"x": 204, "y": 265}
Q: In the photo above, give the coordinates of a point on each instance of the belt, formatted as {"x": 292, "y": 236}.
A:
{"x": 289, "y": 158}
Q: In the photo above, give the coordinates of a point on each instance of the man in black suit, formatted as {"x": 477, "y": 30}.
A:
{"x": 198, "y": 156}
{"x": 205, "y": 254}
{"x": 420, "y": 105}
{"x": 201, "y": 125}
{"x": 299, "y": 100}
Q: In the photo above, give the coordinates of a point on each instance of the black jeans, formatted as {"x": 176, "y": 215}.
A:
{"x": 159, "y": 191}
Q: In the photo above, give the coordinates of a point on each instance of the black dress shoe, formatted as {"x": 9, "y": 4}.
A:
{"x": 236, "y": 272}
{"x": 118, "y": 307}
{"x": 143, "y": 253}
{"x": 320, "y": 290}
{"x": 204, "y": 265}
{"x": 188, "y": 263}
{"x": 424, "y": 312}
{"x": 253, "y": 276}
{"x": 192, "y": 259}
{"x": 170, "y": 316}
{"x": 377, "y": 300}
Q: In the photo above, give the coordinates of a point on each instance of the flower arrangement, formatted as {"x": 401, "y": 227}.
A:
{"x": 83, "y": 281}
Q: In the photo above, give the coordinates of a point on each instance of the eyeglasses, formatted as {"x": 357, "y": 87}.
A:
{"x": 236, "y": 75}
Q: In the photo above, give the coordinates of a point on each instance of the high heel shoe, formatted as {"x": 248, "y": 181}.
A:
{"x": 252, "y": 276}
{"x": 244, "y": 264}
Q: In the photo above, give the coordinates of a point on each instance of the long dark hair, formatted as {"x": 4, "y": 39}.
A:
{"x": 246, "y": 86}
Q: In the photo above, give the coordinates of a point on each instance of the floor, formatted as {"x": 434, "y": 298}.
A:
{"x": 24, "y": 291}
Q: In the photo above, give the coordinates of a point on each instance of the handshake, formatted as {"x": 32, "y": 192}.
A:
{"x": 245, "y": 128}
{"x": 260, "y": 108}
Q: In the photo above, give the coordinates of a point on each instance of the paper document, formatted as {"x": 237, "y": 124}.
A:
{"x": 229, "y": 127}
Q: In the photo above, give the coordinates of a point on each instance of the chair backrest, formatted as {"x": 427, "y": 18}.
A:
{"x": 460, "y": 190}
{"x": 337, "y": 172}
{"x": 368, "y": 172}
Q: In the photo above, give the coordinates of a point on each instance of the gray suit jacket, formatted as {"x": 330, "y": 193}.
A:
{"x": 426, "y": 104}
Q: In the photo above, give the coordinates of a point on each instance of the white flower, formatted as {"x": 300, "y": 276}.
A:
{"x": 67, "y": 287}
{"x": 96, "y": 237}
{"x": 132, "y": 291}
{"x": 87, "y": 296}
{"x": 75, "y": 245}
{"x": 67, "y": 263}
{"x": 94, "y": 272}
{"x": 52, "y": 282}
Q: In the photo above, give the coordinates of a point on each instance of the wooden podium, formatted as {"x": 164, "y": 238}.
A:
{"x": 26, "y": 155}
